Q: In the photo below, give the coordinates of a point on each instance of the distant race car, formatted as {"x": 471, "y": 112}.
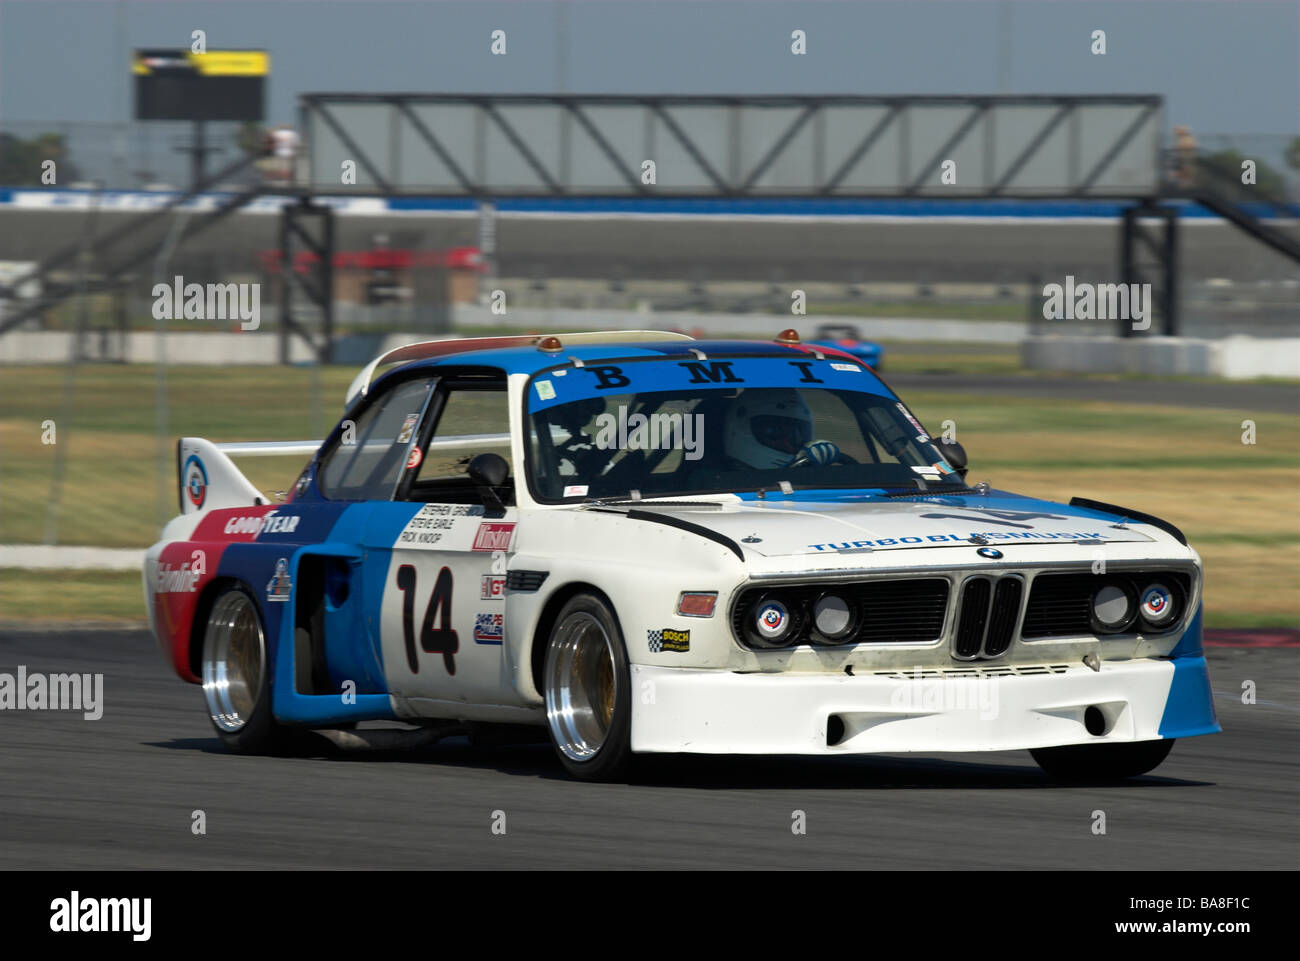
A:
{"x": 644, "y": 543}
{"x": 845, "y": 337}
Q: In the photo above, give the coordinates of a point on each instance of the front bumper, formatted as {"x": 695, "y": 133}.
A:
{"x": 678, "y": 710}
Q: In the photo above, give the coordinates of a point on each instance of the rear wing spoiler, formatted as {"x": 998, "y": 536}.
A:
{"x": 207, "y": 478}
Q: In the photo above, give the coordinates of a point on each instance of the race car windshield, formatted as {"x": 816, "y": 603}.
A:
{"x": 723, "y": 437}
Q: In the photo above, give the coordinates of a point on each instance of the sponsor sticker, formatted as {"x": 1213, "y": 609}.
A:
{"x": 853, "y": 368}
{"x": 196, "y": 481}
{"x": 408, "y": 428}
{"x": 927, "y": 470}
{"x": 493, "y": 537}
{"x": 669, "y": 639}
{"x": 493, "y": 587}
{"x": 489, "y": 628}
{"x": 955, "y": 538}
{"x": 177, "y": 580}
{"x": 545, "y": 390}
{"x": 921, "y": 435}
{"x": 576, "y": 490}
{"x": 413, "y": 458}
{"x": 281, "y": 583}
{"x": 945, "y": 467}
{"x": 271, "y": 523}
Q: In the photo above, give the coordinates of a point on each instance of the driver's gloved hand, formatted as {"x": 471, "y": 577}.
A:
{"x": 818, "y": 452}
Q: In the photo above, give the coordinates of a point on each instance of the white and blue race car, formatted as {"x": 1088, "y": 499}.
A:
{"x": 642, "y": 543}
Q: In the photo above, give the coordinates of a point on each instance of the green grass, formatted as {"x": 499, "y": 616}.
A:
{"x": 82, "y": 595}
{"x": 111, "y": 493}
{"x": 1238, "y": 504}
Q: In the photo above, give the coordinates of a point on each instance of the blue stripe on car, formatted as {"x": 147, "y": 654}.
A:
{"x": 1189, "y": 708}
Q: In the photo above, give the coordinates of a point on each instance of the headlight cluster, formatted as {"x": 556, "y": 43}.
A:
{"x": 775, "y": 620}
{"x": 1122, "y": 604}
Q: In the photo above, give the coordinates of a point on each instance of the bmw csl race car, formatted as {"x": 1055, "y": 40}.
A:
{"x": 645, "y": 543}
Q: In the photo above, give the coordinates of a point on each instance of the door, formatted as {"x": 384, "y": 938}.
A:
{"x": 442, "y": 619}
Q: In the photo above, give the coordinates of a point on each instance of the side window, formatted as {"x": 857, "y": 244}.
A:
{"x": 472, "y": 421}
{"x": 366, "y": 465}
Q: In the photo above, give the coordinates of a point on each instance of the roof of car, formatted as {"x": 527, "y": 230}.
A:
{"x": 530, "y": 359}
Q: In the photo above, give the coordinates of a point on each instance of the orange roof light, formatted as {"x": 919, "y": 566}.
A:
{"x": 788, "y": 336}
{"x": 551, "y": 345}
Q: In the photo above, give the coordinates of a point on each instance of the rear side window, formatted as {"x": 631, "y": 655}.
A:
{"x": 368, "y": 459}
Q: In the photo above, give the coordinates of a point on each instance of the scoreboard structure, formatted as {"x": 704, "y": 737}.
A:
{"x": 178, "y": 84}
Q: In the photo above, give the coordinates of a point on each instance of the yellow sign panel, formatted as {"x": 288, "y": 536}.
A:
{"x": 232, "y": 63}
{"x": 214, "y": 63}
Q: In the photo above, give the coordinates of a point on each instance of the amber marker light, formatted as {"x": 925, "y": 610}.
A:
{"x": 697, "y": 603}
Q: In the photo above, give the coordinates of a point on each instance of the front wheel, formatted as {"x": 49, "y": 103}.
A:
{"x": 587, "y": 688}
{"x": 1102, "y": 762}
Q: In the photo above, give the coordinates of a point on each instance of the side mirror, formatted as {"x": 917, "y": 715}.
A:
{"x": 488, "y": 472}
{"x": 955, "y": 454}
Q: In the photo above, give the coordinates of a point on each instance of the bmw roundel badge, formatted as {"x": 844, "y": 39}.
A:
{"x": 990, "y": 552}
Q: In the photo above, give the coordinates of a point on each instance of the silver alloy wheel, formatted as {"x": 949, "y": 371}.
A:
{"x": 234, "y": 659}
{"x": 580, "y": 686}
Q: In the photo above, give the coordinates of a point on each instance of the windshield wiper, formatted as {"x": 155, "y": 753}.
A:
{"x": 932, "y": 491}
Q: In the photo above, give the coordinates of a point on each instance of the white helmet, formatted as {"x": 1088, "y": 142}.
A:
{"x": 765, "y": 427}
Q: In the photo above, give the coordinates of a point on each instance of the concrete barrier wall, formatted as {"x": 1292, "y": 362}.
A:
{"x": 1236, "y": 358}
{"x": 730, "y": 325}
{"x": 141, "y": 347}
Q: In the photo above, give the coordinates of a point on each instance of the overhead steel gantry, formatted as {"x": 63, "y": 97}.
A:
{"x": 496, "y": 146}
{"x": 492, "y": 147}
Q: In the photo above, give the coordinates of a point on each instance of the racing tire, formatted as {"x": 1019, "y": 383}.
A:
{"x": 236, "y": 676}
{"x": 587, "y": 687}
{"x": 1102, "y": 762}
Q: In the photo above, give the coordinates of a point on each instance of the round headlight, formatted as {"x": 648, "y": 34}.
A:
{"x": 1113, "y": 608}
{"x": 1159, "y": 605}
{"x": 833, "y": 618}
{"x": 770, "y": 624}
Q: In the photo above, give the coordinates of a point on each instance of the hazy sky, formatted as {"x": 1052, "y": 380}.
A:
{"x": 1224, "y": 67}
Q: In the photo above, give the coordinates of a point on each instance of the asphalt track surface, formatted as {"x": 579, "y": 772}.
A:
{"x": 119, "y": 793}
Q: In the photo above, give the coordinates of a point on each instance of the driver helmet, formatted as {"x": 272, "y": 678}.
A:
{"x": 765, "y": 428}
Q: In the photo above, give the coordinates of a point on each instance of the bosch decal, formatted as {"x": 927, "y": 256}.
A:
{"x": 669, "y": 639}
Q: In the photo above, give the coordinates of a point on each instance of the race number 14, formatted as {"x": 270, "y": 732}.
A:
{"x": 433, "y": 640}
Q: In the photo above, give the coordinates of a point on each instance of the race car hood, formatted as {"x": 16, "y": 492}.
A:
{"x": 802, "y": 524}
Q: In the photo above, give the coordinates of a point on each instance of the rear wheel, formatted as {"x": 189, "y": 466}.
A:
{"x": 236, "y": 675}
{"x": 1102, "y": 762}
{"x": 586, "y": 684}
